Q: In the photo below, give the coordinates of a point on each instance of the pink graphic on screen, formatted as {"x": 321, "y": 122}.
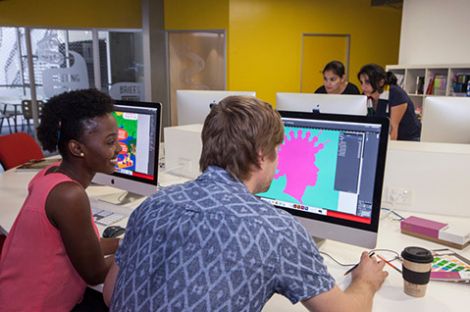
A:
{"x": 297, "y": 162}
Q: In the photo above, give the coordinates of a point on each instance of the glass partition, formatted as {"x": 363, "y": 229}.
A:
{"x": 196, "y": 61}
{"x": 63, "y": 60}
{"x": 12, "y": 63}
{"x": 121, "y": 64}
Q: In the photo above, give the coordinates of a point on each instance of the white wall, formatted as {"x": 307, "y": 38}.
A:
{"x": 435, "y": 32}
{"x": 435, "y": 177}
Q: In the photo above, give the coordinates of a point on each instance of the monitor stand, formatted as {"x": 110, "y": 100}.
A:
{"x": 120, "y": 197}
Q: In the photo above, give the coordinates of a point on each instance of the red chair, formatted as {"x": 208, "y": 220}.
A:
{"x": 18, "y": 148}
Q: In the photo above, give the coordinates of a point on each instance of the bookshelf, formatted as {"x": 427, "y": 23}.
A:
{"x": 420, "y": 81}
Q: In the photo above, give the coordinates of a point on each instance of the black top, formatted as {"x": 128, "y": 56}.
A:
{"x": 350, "y": 89}
{"x": 409, "y": 128}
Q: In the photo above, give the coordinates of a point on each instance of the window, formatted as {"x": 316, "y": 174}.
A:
{"x": 66, "y": 59}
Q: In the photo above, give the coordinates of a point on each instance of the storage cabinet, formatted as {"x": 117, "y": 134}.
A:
{"x": 420, "y": 81}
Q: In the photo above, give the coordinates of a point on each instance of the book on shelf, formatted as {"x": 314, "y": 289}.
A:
{"x": 430, "y": 88}
{"x": 420, "y": 85}
{"x": 37, "y": 164}
{"x": 460, "y": 84}
{"x": 440, "y": 82}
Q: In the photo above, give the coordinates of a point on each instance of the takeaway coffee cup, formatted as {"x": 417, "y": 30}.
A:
{"x": 416, "y": 270}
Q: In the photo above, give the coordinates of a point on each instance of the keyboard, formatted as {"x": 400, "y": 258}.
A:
{"x": 105, "y": 217}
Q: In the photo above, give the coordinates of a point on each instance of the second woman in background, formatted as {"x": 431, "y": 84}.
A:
{"x": 334, "y": 80}
{"x": 388, "y": 99}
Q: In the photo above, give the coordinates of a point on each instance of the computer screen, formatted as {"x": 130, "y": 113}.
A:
{"x": 343, "y": 104}
{"x": 193, "y": 106}
{"x": 136, "y": 170}
{"x": 446, "y": 119}
{"x": 330, "y": 174}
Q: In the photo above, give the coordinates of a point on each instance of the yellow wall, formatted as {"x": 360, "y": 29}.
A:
{"x": 196, "y": 15}
{"x": 71, "y": 14}
{"x": 265, "y": 39}
{"x": 316, "y": 52}
{"x": 263, "y": 36}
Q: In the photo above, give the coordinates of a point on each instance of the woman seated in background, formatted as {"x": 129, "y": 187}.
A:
{"x": 334, "y": 80}
{"x": 53, "y": 249}
{"x": 389, "y": 100}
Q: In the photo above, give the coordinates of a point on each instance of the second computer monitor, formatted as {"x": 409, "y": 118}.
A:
{"x": 330, "y": 174}
{"x": 194, "y": 105}
{"x": 342, "y": 104}
{"x": 136, "y": 170}
{"x": 446, "y": 119}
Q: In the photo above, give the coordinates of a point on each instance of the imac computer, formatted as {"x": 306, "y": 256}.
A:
{"x": 446, "y": 119}
{"x": 136, "y": 170}
{"x": 343, "y": 104}
{"x": 194, "y": 105}
{"x": 330, "y": 174}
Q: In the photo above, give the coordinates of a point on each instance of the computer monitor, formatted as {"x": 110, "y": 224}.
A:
{"x": 139, "y": 135}
{"x": 343, "y": 104}
{"x": 194, "y": 105}
{"x": 330, "y": 175}
{"x": 446, "y": 119}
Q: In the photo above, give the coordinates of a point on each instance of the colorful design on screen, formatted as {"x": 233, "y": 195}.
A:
{"x": 297, "y": 180}
{"x": 127, "y": 136}
{"x": 307, "y": 168}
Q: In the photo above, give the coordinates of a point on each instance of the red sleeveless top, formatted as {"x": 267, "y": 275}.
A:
{"x": 35, "y": 271}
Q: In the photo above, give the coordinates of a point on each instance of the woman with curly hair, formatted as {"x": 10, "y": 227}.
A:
{"x": 53, "y": 249}
{"x": 390, "y": 100}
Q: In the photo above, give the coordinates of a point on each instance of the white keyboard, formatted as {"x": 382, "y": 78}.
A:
{"x": 105, "y": 217}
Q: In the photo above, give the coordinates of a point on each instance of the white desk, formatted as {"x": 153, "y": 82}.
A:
{"x": 441, "y": 296}
{"x": 13, "y": 191}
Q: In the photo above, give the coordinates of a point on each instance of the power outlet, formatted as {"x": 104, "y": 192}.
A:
{"x": 399, "y": 196}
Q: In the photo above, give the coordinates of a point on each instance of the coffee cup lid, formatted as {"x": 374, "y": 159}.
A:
{"x": 417, "y": 254}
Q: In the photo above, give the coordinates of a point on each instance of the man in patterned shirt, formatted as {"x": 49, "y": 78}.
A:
{"x": 211, "y": 245}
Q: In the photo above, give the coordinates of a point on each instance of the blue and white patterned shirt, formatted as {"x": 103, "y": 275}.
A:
{"x": 211, "y": 245}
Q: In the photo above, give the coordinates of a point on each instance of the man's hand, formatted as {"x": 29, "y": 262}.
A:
{"x": 370, "y": 271}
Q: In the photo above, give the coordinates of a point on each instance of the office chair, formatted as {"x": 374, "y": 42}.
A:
{"x": 18, "y": 148}
{"x": 4, "y": 115}
{"x": 27, "y": 111}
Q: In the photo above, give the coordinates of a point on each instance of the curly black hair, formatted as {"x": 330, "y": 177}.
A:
{"x": 376, "y": 74}
{"x": 64, "y": 117}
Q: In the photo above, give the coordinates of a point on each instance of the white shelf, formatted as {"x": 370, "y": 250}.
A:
{"x": 445, "y": 73}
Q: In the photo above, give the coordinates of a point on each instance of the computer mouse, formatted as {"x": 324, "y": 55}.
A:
{"x": 113, "y": 231}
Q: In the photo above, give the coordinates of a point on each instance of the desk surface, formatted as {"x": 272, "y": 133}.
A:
{"x": 13, "y": 191}
{"x": 441, "y": 296}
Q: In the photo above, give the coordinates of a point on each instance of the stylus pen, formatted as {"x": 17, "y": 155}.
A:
{"x": 388, "y": 262}
{"x": 355, "y": 266}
